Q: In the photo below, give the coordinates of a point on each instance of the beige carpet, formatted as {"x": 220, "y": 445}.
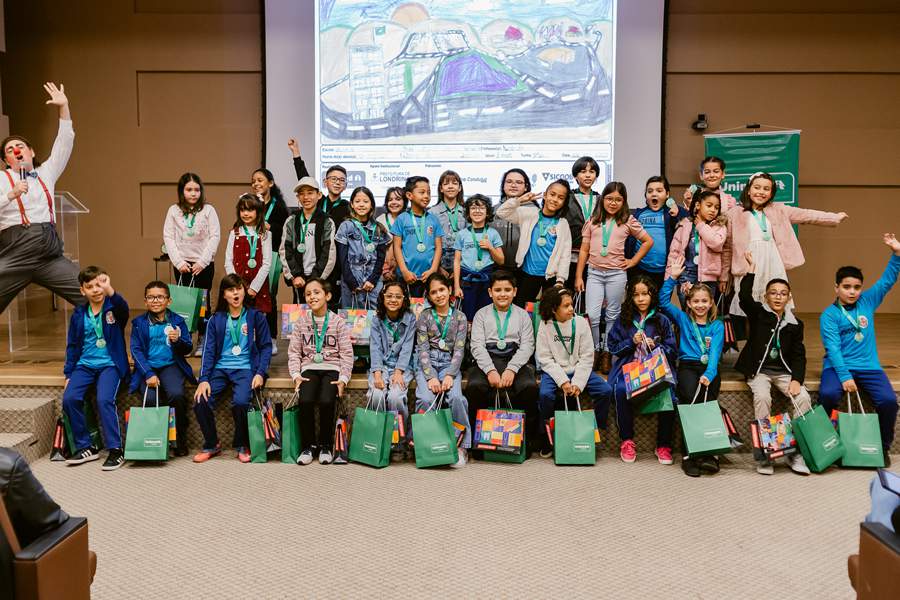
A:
{"x": 227, "y": 530}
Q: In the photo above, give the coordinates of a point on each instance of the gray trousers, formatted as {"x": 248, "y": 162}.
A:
{"x": 35, "y": 255}
{"x": 761, "y": 386}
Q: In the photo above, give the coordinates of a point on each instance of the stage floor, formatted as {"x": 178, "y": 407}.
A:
{"x": 41, "y": 363}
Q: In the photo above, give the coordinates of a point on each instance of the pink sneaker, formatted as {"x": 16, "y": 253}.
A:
{"x": 664, "y": 455}
{"x": 627, "y": 452}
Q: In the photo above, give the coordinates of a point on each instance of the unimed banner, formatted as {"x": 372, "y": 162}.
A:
{"x": 777, "y": 153}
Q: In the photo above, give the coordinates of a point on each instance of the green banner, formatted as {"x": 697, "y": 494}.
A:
{"x": 777, "y": 153}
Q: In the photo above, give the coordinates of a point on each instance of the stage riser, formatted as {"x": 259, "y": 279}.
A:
{"x": 739, "y": 405}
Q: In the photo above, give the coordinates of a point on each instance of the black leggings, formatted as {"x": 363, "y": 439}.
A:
{"x": 319, "y": 390}
{"x": 529, "y": 286}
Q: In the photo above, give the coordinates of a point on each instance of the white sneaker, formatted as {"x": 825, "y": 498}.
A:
{"x": 325, "y": 457}
{"x": 461, "y": 461}
{"x": 798, "y": 465}
{"x": 274, "y": 348}
{"x": 305, "y": 457}
{"x": 765, "y": 468}
{"x": 198, "y": 351}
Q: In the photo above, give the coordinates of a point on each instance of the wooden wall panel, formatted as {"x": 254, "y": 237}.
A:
{"x": 193, "y": 67}
{"x": 781, "y": 7}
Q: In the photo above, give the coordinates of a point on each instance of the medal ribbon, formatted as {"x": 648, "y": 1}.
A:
{"x": 479, "y": 251}
{"x": 304, "y": 226}
{"x": 394, "y": 333}
{"x": 443, "y": 329}
{"x": 762, "y": 222}
{"x": 420, "y": 233}
{"x": 319, "y": 339}
{"x": 606, "y": 228}
{"x": 234, "y": 330}
{"x": 571, "y": 348}
{"x": 704, "y": 348}
{"x": 453, "y": 216}
{"x": 696, "y": 238}
{"x": 853, "y": 321}
{"x": 189, "y": 220}
{"x": 96, "y": 322}
{"x": 587, "y": 207}
{"x": 269, "y": 211}
{"x": 363, "y": 231}
{"x": 501, "y": 331}
{"x": 643, "y": 322}
{"x": 253, "y": 240}
{"x": 542, "y": 231}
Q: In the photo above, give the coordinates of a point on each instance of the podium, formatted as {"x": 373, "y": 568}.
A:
{"x": 36, "y": 311}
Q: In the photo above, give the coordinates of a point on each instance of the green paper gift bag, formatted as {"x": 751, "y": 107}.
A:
{"x": 186, "y": 302}
{"x": 370, "y": 437}
{"x": 861, "y": 436}
{"x": 819, "y": 443}
{"x": 256, "y": 428}
{"x": 703, "y": 428}
{"x": 290, "y": 433}
{"x": 661, "y": 401}
{"x": 434, "y": 437}
{"x": 275, "y": 272}
{"x": 147, "y": 437}
{"x": 574, "y": 441}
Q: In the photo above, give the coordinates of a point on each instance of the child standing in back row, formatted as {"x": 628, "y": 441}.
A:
{"x": 699, "y": 241}
{"x": 659, "y": 221}
{"x": 478, "y": 249}
{"x": 249, "y": 252}
{"x": 851, "y": 355}
{"x": 451, "y": 214}
{"x": 418, "y": 238}
{"x": 361, "y": 246}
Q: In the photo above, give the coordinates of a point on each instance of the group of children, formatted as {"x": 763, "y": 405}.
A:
{"x": 573, "y": 244}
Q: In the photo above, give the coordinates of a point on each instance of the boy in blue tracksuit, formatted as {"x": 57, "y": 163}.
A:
{"x": 237, "y": 351}
{"x": 95, "y": 355}
{"x": 160, "y": 341}
{"x": 848, "y": 335}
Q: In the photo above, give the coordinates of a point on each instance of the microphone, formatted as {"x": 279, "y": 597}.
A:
{"x": 23, "y": 171}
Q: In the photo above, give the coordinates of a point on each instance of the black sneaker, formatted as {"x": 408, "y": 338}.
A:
{"x": 114, "y": 460}
{"x": 690, "y": 466}
{"x": 83, "y": 456}
{"x": 709, "y": 464}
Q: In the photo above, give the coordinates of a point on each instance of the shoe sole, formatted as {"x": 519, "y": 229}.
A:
{"x": 665, "y": 461}
{"x": 112, "y": 467}
{"x": 628, "y": 460}
{"x": 772, "y": 472}
{"x": 81, "y": 461}
{"x": 203, "y": 460}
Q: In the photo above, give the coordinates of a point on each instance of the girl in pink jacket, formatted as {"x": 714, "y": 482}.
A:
{"x": 699, "y": 242}
{"x": 764, "y": 228}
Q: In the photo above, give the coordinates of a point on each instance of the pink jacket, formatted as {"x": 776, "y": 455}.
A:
{"x": 713, "y": 239}
{"x": 780, "y": 217}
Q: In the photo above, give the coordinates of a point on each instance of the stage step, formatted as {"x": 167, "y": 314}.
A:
{"x": 33, "y": 418}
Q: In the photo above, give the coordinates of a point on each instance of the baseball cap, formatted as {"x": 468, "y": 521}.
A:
{"x": 306, "y": 182}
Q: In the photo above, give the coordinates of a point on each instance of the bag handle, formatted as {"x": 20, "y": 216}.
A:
{"x": 147, "y": 389}
{"x": 509, "y": 405}
{"x": 438, "y": 400}
{"x": 578, "y": 300}
{"x": 295, "y": 397}
{"x": 256, "y": 396}
{"x": 697, "y": 393}
{"x": 858, "y": 401}
{"x": 497, "y": 399}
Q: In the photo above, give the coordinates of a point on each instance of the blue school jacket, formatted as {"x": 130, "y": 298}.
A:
{"x": 140, "y": 345}
{"x": 260, "y": 343}
{"x": 115, "y": 318}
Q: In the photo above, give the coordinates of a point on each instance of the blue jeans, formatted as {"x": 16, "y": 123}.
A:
{"x": 875, "y": 383}
{"x": 240, "y": 381}
{"x": 459, "y": 406}
{"x": 171, "y": 384}
{"x": 107, "y": 381}
{"x": 596, "y": 388}
{"x": 604, "y": 285}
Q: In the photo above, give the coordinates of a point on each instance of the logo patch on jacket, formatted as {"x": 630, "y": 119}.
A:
{"x": 110, "y": 318}
{"x": 244, "y": 329}
{"x": 863, "y": 321}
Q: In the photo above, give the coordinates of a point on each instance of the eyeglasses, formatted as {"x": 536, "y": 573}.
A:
{"x": 155, "y": 298}
{"x": 336, "y": 179}
{"x": 775, "y": 294}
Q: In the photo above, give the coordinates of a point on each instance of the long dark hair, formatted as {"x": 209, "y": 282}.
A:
{"x": 745, "y": 200}
{"x": 551, "y": 299}
{"x": 274, "y": 191}
{"x": 520, "y": 172}
{"x": 628, "y": 308}
{"x": 250, "y": 202}
{"x": 387, "y": 197}
{"x": 371, "y": 217}
{"x": 621, "y": 217}
{"x": 698, "y": 197}
{"x": 381, "y": 309}
{"x": 182, "y": 203}
{"x": 228, "y": 282}
{"x": 444, "y": 177}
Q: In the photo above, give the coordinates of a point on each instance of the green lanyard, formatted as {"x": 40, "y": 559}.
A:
{"x": 776, "y": 350}
{"x": 443, "y": 329}
{"x": 606, "y": 228}
{"x": 319, "y": 338}
{"x": 542, "y": 230}
{"x": 587, "y": 207}
{"x": 479, "y": 251}
{"x": 189, "y": 223}
{"x": 235, "y": 332}
{"x": 370, "y": 246}
{"x": 269, "y": 211}
{"x": 387, "y": 220}
{"x": 336, "y": 202}
{"x": 420, "y": 231}
{"x": 571, "y": 348}
{"x": 763, "y": 223}
{"x": 704, "y": 348}
{"x": 253, "y": 240}
{"x": 97, "y": 324}
{"x": 304, "y": 226}
{"x": 643, "y": 322}
{"x": 853, "y": 321}
{"x": 453, "y": 216}
{"x": 393, "y": 329}
{"x": 501, "y": 330}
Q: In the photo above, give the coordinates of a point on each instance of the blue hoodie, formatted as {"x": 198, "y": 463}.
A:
{"x": 259, "y": 339}
{"x": 842, "y": 352}
{"x": 115, "y": 317}
{"x": 140, "y": 346}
